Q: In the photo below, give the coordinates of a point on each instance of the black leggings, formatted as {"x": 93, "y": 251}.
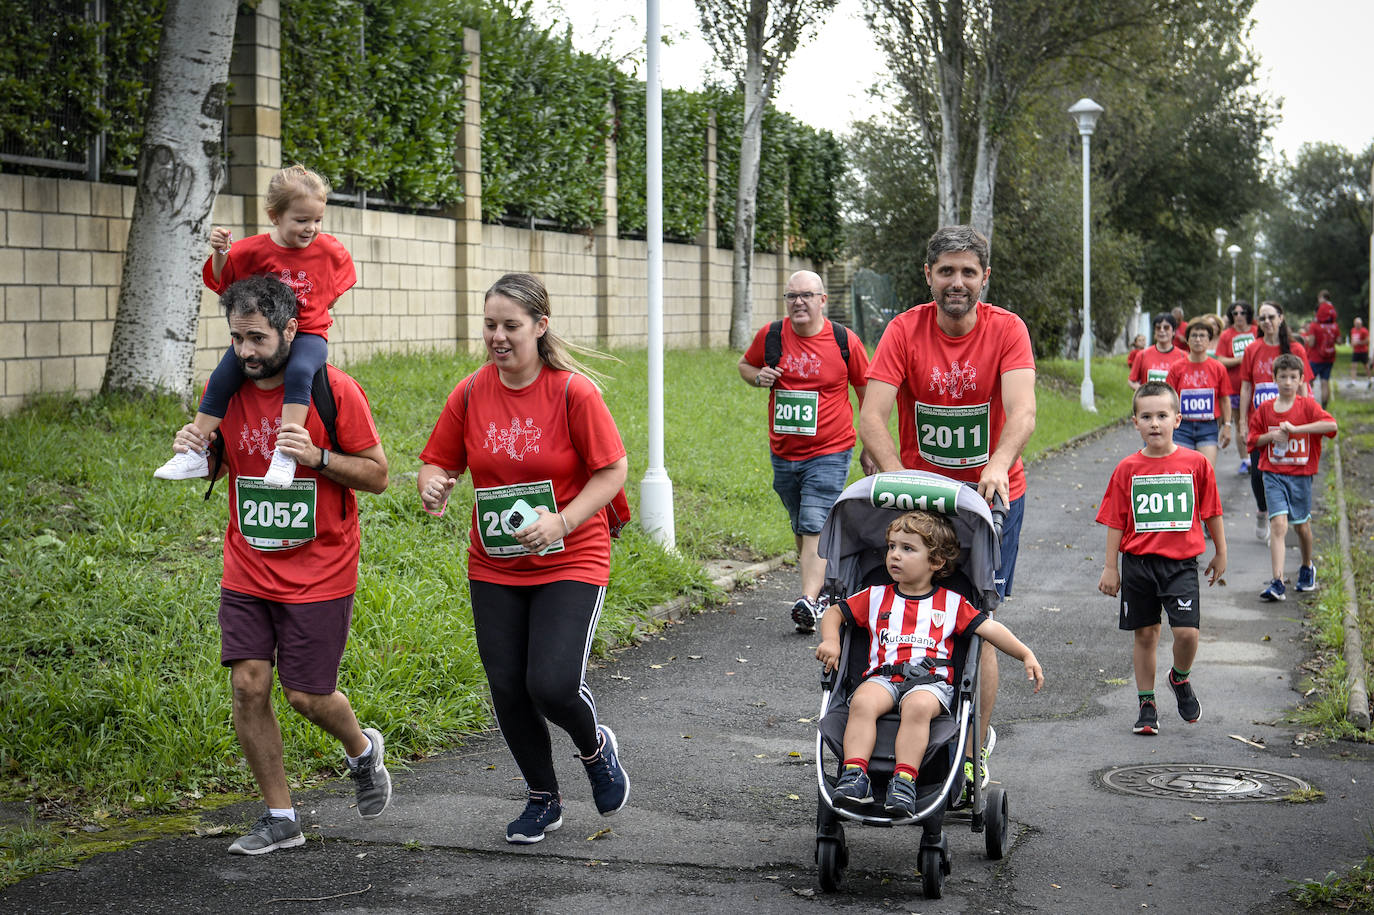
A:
{"x": 534, "y": 641}
{"x": 1257, "y": 483}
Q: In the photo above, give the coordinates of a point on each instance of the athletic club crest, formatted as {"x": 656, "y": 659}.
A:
{"x": 516, "y": 441}
{"x": 954, "y": 382}
{"x": 937, "y": 618}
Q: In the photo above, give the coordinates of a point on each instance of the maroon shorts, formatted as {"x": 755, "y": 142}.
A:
{"x": 305, "y": 641}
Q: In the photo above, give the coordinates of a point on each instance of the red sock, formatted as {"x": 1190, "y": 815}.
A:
{"x": 904, "y": 769}
{"x": 856, "y": 761}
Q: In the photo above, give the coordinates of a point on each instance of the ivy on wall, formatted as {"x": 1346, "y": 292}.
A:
{"x": 372, "y": 97}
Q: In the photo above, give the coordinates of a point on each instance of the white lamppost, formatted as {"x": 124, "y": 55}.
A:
{"x": 1234, "y": 251}
{"x": 1220, "y": 236}
{"x": 655, "y": 489}
{"x": 1086, "y": 112}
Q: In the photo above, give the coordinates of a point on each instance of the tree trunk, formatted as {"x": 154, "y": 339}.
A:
{"x": 984, "y": 180}
{"x": 746, "y": 203}
{"x": 179, "y": 173}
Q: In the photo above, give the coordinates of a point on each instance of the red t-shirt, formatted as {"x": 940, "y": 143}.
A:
{"x": 1232, "y": 344}
{"x": 1359, "y": 339}
{"x": 263, "y": 552}
{"x": 540, "y": 443}
{"x": 819, "y": 418}
{"x": 902, "y": 627}
{"x": 1159, "y": 503}
{"x": 1200, "y": 387}
{"x": 318, "y": 274}
{"x": 1257, "y": 367}
{"x": 1181, "y": 338}
{"x": 1302, "y": 454}
{"x": 1154, "y": 365}
{"x": 1131, "y": 356}
{"x": 955, "y": 385}
{"x": 1324, "y": 336}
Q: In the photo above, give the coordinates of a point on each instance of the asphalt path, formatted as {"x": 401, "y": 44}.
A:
{"x": 715, "y": 720}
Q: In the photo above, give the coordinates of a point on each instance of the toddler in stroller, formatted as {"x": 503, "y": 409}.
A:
{"x": 907, "y": 638}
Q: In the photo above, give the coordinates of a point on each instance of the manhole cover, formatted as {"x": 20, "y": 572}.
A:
{"x": 1203, "y": 783}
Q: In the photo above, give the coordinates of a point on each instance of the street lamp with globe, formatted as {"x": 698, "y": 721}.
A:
{"x": 1086, "y": 112}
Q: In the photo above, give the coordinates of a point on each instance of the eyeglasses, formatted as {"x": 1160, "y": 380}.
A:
{"x": 1236, "y": 313}
{"x": 1263, "y": 318}
{"x": 803, "y": 297}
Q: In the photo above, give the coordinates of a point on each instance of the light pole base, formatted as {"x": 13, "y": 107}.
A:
{"x": 1085, "y": 396}
{"x": 656, "y": 507}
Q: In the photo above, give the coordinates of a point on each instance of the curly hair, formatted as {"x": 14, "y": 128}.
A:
{"x": 938, "y": 535}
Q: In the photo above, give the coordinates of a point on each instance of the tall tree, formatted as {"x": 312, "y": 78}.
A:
{"x": 754, "y": 40}
{"x": 986, "y": 59}
{"x": 179, "y": 174}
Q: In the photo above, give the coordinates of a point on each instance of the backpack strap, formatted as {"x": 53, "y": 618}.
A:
{"x": 772, "y": 342}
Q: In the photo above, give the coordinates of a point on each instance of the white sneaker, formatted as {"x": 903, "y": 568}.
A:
{"x": 184, "y": 465}
{"x": 282, "y": 471}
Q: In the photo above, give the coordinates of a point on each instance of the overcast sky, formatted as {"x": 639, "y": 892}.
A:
{"x": 1314, "y": 54}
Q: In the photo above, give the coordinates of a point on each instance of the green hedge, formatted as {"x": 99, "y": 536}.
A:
{"x": 372, "y": 97}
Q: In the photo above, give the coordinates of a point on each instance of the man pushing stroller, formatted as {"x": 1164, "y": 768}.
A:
{"x": 912, "y": 624}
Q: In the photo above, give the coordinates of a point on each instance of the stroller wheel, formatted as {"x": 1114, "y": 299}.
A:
{"x": 934, "y": 865}
{"x": 831, "y": 858}
{"x": 995, "y": 831}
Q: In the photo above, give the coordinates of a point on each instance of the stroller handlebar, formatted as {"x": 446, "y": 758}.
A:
{"x": 999, "y": 513}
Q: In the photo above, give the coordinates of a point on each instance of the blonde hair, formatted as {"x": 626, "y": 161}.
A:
{"x": 938, "y": 534}
{"x": 290, "y": 184}
{"x": 529, "y": 292}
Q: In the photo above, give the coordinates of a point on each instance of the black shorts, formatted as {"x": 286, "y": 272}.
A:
{"x": 1359, "y": 358}
{"x": 1153, "y": 583}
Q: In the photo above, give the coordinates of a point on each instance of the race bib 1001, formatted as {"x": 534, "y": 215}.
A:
{"x": 494, "y": 529}
{"x": 1198, "y": 403}
{"x": 952, "y": 436}
{"x": 795, "y": 412}
{"x": 1162, "y": 502}
{"x": 272, "y": 518}
{"x": 1265, "y": 391}
{"x": 1292, "y": 453}
{"x": 915, "y": 494}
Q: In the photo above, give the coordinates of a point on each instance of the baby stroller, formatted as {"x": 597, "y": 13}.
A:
{"x": 853, "y": 545}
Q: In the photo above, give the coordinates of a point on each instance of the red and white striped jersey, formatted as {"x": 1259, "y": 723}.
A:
{"x": 909, "y": 628}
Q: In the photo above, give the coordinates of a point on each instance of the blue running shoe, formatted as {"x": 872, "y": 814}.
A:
{"x": 1307, "y": 577}
{"x": 852, "y": 789}
{"x": 543, "y": 813}
{"x": 610, "y": 783}
{"x": 901, "y": 797}
{"x": 1275, "y": 591}
{"x": 1244, "y": 469}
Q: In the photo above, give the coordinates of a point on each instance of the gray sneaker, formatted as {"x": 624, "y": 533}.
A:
{"x": 370, "y": 778}
{"x": 269, "y": 833}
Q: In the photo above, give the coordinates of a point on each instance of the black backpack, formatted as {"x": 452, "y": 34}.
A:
{"x": 322, "y": 397}
{"x": 772, "y": 343}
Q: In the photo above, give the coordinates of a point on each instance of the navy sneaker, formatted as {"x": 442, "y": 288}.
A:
{"x": 1244, "y": 469}
{"x": 1148, "y": 721}
{"x": 1307, "y": 577}
{"x": 543, "y": 813}
{"x": 852, "y": 789}
{"x": 1274, "y": 592}
{"x": 1189, "y": 708}
{"x": 901, "y": 797}
{"x": 610, "y": 782}
{"x": 806, "y": 613}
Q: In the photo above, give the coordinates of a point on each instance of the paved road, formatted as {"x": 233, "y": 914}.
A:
{"x": 713, "y": 716}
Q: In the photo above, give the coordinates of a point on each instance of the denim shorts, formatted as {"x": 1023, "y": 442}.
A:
{"x": 1288, "y": 494}
{"x": 808, "y": 488}
{"x": 1192, "y": 433}
{"x": 899, "y": 691}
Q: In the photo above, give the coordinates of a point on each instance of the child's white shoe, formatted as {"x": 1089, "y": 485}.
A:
{"x": 184, "y": 465}
{"x": 282, "y": 472}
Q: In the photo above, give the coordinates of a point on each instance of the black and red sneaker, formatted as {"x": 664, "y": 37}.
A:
{"x": 1188, "y": 707}
{"x": 1148, "y": 722}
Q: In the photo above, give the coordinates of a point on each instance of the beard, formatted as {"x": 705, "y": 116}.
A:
{"x": 267, "y": 366}
{"x": 957, "y": 309}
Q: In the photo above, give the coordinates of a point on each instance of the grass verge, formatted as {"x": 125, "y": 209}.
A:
{"x": 114, "y": 702}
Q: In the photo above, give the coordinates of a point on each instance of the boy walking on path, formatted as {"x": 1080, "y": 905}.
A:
{"x": 1288, "y": 432}
{"x": 1156, "y": 504}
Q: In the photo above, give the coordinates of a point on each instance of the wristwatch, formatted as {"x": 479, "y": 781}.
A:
{"x": 324, "y": 459}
